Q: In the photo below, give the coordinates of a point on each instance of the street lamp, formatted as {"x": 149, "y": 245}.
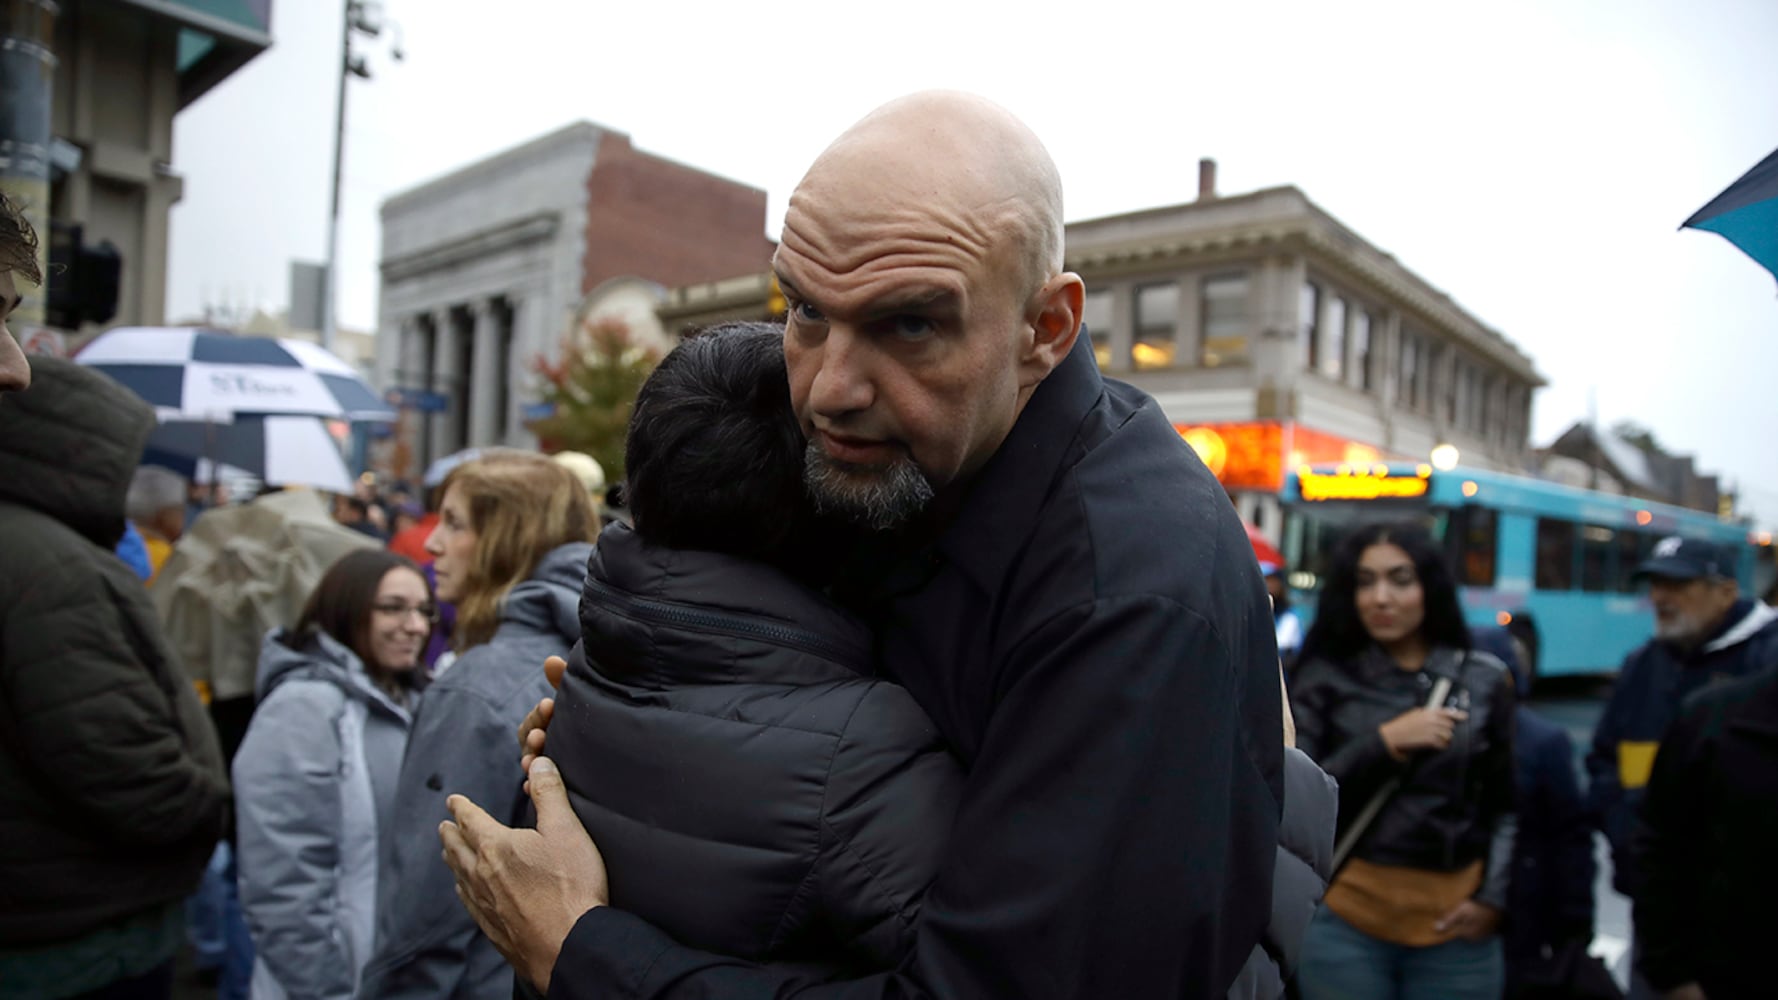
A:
{"x": 1444, "y": 457}
{"x": 365, "y": 18}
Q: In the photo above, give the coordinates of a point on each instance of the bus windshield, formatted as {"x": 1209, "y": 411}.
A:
{"x": 1314, "y": 531}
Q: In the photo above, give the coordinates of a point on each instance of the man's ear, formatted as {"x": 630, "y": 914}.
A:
{"x": 1054, "y": 318}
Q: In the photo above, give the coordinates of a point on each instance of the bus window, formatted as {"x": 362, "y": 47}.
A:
{"x": 1555, "y": 554}
{"x": 1473, "y": 542}
{"x": 1596, "y": 545}
{"x": 1632, "y": 548}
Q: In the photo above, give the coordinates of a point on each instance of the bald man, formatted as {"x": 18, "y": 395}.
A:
{"x": 1052, "y": 574}
{"x": 18, "y": 259}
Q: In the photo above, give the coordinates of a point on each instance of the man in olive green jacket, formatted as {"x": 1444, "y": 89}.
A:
{"x": 112, "y": 791}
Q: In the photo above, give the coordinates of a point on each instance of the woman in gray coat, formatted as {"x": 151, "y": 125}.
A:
{"x": 511, "y": 546}
{"x": 315, "y": 776}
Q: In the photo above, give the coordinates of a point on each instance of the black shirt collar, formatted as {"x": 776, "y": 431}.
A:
{"x": 1002, "y": 503}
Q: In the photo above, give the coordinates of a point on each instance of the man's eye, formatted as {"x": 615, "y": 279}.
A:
{"x": 910, "y": 327}
{"x": 806, "y": 313}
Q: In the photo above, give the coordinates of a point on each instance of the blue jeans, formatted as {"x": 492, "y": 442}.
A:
{"x": 218, "y": 928}
{"x": 1341, "y": 962}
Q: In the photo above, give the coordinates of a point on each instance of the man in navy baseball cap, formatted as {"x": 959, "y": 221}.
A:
{"x": 1680, "y": 560}
{"x": 1704, "y": 632}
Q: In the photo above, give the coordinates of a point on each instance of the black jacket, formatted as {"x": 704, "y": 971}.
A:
{"x": 809, "y": 803}
{"x": 1654, "y": 679}
{"x": 1091, "y": 636}
{"x": 1455, "y": 805}
{"x": 1708, "y": 841}
{"x": 112, "y": 793}
{"x": 1551, "y": 901}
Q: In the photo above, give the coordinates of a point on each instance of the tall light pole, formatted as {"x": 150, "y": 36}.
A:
{"x": 366, "y": 18}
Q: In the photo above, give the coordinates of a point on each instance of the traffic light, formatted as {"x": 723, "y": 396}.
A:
{"x": 83, "y": 280}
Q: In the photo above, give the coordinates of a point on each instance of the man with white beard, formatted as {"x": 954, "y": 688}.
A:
{"x": 1705, "y": 632}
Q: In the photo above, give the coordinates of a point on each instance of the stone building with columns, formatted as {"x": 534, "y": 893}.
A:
{"x": 1271, "y": 335}
{"x": 483, "y": 270}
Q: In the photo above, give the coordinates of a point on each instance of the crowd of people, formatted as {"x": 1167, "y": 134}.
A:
{"x": 923, "y": 661}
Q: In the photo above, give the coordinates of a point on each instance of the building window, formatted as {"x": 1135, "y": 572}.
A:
{"x": 1309, "y": 310}
{"x": 1361, "y": 348}
{"x": 1597, "y": 543}
{"x": 1555, "y": 555}
{"x": 1095, "y": 314}
{"x": 1225, "y": 322}
{"x": 1157, "y": 326}
{"x": 1632, "y": 548}
{"x": 1333, "y": 354}
{"x": 1473, "y": 535}
{"x": 1451, "y": 371}
{"x": 1410, "y": 370}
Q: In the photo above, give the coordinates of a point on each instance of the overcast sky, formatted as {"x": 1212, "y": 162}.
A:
{"x": 1532, "y": 159}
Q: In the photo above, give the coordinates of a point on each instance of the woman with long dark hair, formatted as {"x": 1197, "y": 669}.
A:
{"x": 1390, "y": 699}
{"x": 315, "y": 775}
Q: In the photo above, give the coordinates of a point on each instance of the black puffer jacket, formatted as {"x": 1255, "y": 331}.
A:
{"x": 753, "y": 790}
{"x": 112, "y": 792}
{"x": 1455, "y": 805}
{"x": 1299, "y": 878}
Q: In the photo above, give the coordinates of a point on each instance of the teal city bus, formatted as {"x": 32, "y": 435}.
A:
{"x": 1563, "y": 557}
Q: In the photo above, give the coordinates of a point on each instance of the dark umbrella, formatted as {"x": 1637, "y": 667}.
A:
{"x": 1747, "y": 214}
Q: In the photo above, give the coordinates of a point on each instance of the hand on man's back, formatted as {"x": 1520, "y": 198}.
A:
{"x": 531, "y": 731}
{"x": 526, "y": 888}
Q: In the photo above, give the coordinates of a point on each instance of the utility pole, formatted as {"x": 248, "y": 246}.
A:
{"x": 330, "y": 280}
{"x": 365, "y": 18}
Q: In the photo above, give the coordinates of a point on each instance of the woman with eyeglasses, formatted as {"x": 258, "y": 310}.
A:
{"x": 315, "y": 776}
{"x": 511, "y": 548}
{"x": 1391, "y": 700}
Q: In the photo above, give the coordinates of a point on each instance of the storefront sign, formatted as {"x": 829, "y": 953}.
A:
{"x": 1314, "y": 486}
{"x": 1252, "y": 455}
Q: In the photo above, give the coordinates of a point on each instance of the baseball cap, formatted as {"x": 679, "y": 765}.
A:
{"x": 1676, "y": 558}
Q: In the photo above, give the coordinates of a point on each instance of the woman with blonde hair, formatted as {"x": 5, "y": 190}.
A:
{"x": 511, "y": 550}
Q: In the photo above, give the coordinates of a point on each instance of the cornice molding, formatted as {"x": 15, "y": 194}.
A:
{"x": 479, "y": 244}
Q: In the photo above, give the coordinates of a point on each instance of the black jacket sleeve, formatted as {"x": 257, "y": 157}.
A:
{"x": 1571, "y": 838}
{"x": 1498, "y": 805}
{"x": 1116, "y": 839}
{"x": 1357, "y": 764}
{"x": 1605, "y": 792}
{"x": 1668, "y": 839}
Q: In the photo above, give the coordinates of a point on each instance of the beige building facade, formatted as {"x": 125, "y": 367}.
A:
{"x": 121, "y": 70}
{"x": 1272, "y": 336}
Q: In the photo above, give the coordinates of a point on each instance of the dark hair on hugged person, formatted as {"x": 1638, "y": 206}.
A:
{"x": 714, "y": 458}
{"x": 1339, "y": 634}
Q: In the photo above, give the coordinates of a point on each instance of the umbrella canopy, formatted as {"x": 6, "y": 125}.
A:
{"x": 1269, "y": 557}
{"x": 1746, "y": 214}
{"x": 441, "y": 467}
{"x": 200, "y": 374}
{"x": 283, "y": 451}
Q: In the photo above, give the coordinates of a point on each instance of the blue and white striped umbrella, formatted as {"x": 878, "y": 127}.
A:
{"x": 282, "y": 451}
{"x": 195, "y": 374}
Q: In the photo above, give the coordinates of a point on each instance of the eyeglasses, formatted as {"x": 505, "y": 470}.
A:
{"x": 426, "y": 611}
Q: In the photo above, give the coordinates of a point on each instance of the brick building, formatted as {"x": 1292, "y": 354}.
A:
{"x": 486, "y": 268}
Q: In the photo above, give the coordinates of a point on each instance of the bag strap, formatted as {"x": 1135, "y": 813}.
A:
{"x": 1441, "y": 689}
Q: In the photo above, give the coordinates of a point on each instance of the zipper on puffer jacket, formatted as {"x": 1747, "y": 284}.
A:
{"x": 658, "y": 612}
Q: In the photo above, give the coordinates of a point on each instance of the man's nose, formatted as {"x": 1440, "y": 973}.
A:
{"x": 15, "y": 372}
{"x": 843, "y": 382}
